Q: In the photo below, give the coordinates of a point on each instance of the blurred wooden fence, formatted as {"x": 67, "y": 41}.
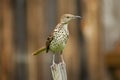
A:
{"x": 24, "y": 27}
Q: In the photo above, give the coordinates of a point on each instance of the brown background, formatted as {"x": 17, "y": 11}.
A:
{"x": 25, "y": 25}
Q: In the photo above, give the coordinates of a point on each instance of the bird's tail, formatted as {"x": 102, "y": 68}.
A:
{"x": 41, "y": 50}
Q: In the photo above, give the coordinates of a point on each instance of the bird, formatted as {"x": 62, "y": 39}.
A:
{"x": 57, "y": 40}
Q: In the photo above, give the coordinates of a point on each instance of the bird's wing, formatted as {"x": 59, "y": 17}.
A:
{"x": 49, "y": 39}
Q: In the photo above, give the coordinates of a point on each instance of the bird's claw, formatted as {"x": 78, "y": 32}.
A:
{"x": 53, "y": 66}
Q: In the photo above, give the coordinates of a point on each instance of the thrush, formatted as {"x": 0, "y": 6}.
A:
{"x": 57, "y": 40}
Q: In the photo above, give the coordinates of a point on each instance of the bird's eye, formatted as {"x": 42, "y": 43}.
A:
{"x": 68, "y": 17}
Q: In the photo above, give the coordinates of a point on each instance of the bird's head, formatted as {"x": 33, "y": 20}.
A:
{"x": 68, "y": 17}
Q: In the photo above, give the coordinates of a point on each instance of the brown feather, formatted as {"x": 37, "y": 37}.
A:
{"x": 39, "y": 51}
{"x": 49, "y": 39}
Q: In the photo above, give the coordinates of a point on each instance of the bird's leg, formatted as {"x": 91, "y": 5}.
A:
{"x": 62, "y": 58}
{"x": 53, "y": 59}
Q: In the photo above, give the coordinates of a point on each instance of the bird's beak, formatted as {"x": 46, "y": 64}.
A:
{"x": 77, "y": 17}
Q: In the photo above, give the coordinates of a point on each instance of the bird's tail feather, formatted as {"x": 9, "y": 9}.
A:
{"x": 39, "y": 51}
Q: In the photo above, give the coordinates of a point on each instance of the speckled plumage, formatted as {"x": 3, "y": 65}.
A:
{"x": 60, "y": 37}
{"x": 57, "y": 40}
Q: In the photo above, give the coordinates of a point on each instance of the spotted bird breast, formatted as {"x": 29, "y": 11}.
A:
{"x": 60, "y": 39}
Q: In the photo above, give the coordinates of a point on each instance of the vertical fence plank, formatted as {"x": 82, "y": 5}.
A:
{"x": 92, "y": 32}
{"x": 71, "y": 53}
{"x": 0, "y": 36}
{"x": 36, "y": 27}
{"x": 7, "y": 50}
{"x": 20, "y": 40}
